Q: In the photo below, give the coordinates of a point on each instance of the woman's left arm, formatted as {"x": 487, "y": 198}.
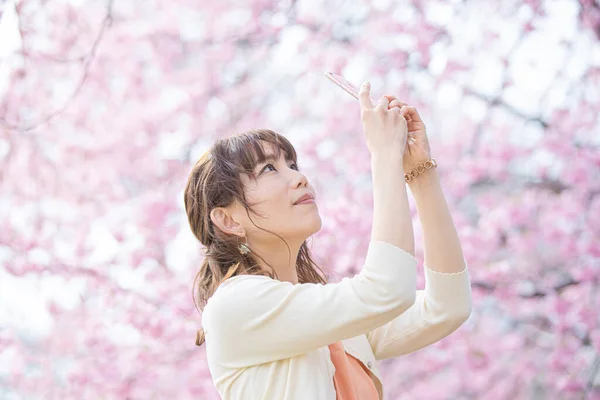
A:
{"x": 441, "y": 308}
{"x": 442, "y": 246}
{"x": 446, "y": 301}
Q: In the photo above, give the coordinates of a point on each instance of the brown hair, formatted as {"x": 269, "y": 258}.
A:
{"x": 215, "y": 182}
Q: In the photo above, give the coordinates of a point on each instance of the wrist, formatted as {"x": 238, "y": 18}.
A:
{"x": 386, "y": 156}
{"x": 414, "y": 172}
{"x": 424, "y": 181}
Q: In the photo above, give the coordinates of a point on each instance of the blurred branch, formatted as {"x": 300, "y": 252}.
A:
{"x": 590, "y": 382}
{"x": 591, "y": 8}
{"x": 497, "y": 101}
{"x": 61, "y": 269}
{"x": 106, "y": 23}
{"x": 18, "y": 7}
{"x": 553, "y": 185}
{"x": 537, "y": 293}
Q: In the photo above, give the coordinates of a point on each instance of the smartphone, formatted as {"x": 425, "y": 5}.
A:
{"x": 345, "y": 84}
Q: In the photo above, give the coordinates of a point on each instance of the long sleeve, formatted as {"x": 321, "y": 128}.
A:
{"x": 443, "y": 306}
{"x": 255, "y": 319}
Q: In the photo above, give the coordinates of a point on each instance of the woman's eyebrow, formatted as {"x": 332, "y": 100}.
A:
{"x": 270, "y": 157}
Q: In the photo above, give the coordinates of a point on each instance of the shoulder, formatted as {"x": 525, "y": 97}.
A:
{"x": 234, "y": 296}
{"x": 236, "y": 286}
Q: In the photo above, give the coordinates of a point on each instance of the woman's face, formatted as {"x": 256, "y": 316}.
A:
{"x": 278, "y": 185}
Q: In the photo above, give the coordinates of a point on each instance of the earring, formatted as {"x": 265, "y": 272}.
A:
{"x": 243, "y": 248}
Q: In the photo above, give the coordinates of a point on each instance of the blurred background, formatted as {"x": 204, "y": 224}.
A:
{"x": 105, "y": 106}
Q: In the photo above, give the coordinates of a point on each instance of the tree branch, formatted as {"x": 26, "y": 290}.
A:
{"x": 106, "y": 23}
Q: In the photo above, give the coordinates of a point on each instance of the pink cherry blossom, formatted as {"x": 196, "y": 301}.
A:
{"x": 105, "y": 106}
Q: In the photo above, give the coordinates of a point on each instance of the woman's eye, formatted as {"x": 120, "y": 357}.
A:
{"x": 294, "y": 165}
{"x": 269, "y": 165}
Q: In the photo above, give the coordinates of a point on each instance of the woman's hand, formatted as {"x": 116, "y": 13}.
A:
{"x": 385, "y": 129}
{"x": 417, "y": 149}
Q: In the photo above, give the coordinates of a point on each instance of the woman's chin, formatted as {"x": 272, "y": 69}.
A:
{"x": 316, "y": 226}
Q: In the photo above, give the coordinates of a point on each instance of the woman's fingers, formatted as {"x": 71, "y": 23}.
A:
{"x": 364, "y": 96}
{"x": 411, "y": 114}
{"x": 383, "y": 126}
{"x": 383, "y": 102}
{"x": 387, "y": 102}
{"x": 366, "y": 100}
{"x": 396, "y": 103}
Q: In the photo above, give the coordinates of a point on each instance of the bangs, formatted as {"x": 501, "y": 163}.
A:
{"x": 246, "y": 150}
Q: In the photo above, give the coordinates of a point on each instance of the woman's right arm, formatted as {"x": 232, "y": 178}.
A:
{"x": 386, "y": 133}
{"x": 255, "y": 319}
{"x": 392, "y": 222}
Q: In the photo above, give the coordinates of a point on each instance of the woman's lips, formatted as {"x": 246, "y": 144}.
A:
{"x": 307, "y": 201}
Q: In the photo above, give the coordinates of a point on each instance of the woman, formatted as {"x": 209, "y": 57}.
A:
{"x": 274, "y": 329}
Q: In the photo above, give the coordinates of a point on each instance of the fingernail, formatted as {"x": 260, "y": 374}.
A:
{"x": 366, "y": 84}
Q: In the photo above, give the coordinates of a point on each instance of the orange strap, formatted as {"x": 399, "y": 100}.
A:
{"x": 351, "y": 380}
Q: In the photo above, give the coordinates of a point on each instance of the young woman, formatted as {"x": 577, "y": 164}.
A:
{"x": 273, "y": 327}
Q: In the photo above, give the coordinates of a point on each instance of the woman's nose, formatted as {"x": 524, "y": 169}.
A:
{"x": 300, "y": 179}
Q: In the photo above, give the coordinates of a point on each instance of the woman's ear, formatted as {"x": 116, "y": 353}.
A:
{"x": 223, "y": 219}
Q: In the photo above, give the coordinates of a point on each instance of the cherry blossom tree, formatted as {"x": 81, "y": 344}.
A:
{"x": 106, "y": 105}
